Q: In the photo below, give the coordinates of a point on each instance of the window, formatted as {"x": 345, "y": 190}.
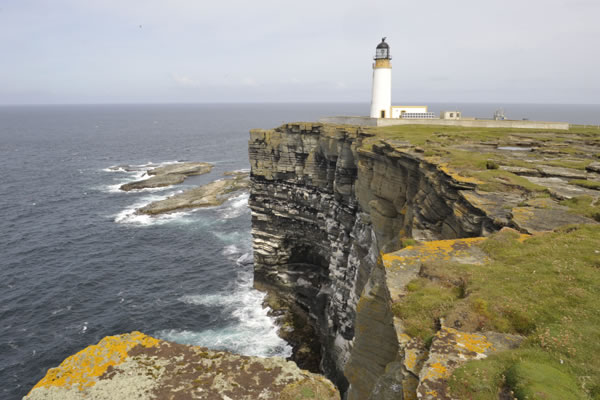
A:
{"x": 382, "y": 113}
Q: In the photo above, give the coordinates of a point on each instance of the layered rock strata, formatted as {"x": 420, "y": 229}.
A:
{"x": 323, "y": 208}
{"x": 136, "y": 366}
{"x": 328, "y": 200}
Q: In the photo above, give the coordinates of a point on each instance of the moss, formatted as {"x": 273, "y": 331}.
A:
{"x": 491, "y": 164}
{"x": 405, "y": 242}
{"x": 574, "y": 164}
{"x": 586, "y": 184}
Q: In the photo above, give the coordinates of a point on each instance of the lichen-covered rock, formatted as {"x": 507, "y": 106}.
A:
{"x": 534, "y": 220}
{"x": 136, "y": 366}
{"x": 450, "y": 349}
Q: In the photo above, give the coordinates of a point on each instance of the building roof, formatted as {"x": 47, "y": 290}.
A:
{"x": 383, "y": 44}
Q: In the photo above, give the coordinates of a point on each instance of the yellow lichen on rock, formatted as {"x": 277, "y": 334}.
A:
{"x": 136, "y": 366}
{"x": 458, "y": 178}
{"x": 83, "y": 369}
{"x": 436, "y": 371}
{"x": 472, "y": 341}
{"x": 437, "y": 250}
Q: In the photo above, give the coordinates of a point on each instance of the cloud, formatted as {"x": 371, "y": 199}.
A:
{"x": 186, "y": 81}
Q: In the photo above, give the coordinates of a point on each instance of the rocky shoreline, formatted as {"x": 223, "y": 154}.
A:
{"x": 381, "y": 252}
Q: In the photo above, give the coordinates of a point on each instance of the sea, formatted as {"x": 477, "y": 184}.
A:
{"x": 77, "y": 263}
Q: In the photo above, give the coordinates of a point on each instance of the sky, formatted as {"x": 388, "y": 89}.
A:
{"x": 158, "y": 51}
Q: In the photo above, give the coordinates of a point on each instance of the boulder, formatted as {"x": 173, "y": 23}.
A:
{"x": 136, "y": 366}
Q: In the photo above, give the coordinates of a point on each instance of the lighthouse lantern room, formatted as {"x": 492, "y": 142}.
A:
{"x": 381, "y": 99}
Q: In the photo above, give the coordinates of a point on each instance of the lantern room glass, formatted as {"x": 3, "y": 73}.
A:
{"x": 381, "y": 53}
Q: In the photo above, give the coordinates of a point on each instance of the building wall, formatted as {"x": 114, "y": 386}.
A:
{"x": 397, "y": 110}
{"x": 450, "y": 115}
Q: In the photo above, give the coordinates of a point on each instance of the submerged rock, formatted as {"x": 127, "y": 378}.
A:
{"x": 212, "y": 194}
{"x": 168, "y": 175}
{"x": 136, "y": 366}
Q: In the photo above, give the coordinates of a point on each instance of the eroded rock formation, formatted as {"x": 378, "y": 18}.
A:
{"x": 209, "y": 195}
{"x": 167, "y": 175}
{"x": 325, "y": 207}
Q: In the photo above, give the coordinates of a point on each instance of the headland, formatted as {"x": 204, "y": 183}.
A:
{"x": 417, "y": 261}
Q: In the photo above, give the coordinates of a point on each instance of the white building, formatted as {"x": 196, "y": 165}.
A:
{"x": 450, "y": 115}
{"x": 381, "y": 96}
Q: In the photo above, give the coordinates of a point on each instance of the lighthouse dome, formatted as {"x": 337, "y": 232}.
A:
{"x": 382, "y": 51}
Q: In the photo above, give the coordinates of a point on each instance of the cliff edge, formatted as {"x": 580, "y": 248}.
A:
{"x": 330, "y": 204}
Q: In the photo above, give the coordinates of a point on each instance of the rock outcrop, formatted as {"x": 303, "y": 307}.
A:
{"x": 136, "y": 366}
{"x": 209, "y": 195}
{"x": 167, "y": 175}
{"x": 327, "y": 201}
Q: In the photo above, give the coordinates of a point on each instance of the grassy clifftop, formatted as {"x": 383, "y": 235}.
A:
{"x": 544, "y": 287}
{"x": 563, "y": 166}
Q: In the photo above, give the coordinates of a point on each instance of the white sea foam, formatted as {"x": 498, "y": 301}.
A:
{"x": 253, "y": 333}
{"x": 235, "y": 206}
{"x": 230, "y": 250}
{"x": 129, "y": 215}
{"x": 231, "y": 237}
{"x": 132, "y": 173}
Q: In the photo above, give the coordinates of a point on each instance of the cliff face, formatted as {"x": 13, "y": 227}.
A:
{"x": 323, "y": 210}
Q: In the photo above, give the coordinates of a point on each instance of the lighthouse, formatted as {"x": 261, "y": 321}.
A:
{"x": 381, "y": 98}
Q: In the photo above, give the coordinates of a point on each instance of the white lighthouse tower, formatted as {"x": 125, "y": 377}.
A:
{"x": 381, "y": 100}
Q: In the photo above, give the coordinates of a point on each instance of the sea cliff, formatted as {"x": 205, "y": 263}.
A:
{"x": 330, "y": 204}
{"x": 405, "y": 262}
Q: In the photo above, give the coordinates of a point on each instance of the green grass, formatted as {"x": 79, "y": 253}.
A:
{"x": 444, "y": 145}
{"x": 546, "y": 288}
{"x": 584, "y": 205}
{"x": 425, "y": 304}
{"x": 496, "y": 180}
{"x": 586, "y": 184}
